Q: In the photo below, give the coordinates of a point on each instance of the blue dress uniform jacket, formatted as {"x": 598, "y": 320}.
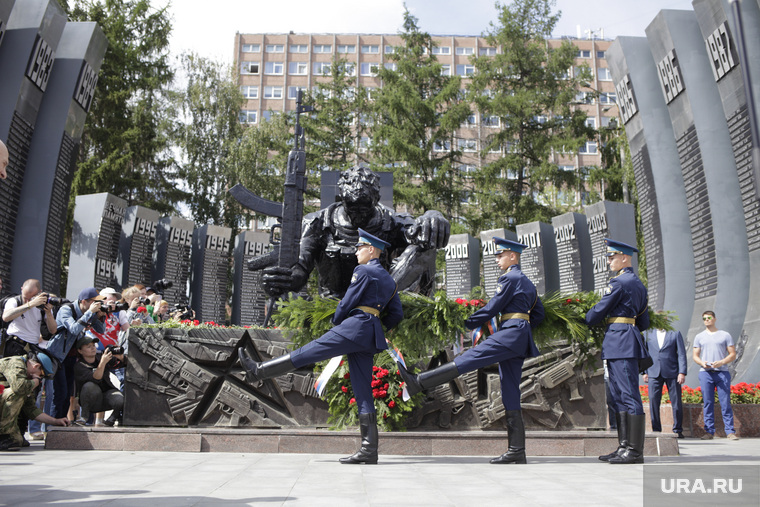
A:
{"x": 623, "y": 346}
{"x": 515, "y": 293}
{"x": 509, "y": 346}
{"x": 625, "y": 296}
{"x": 371, "y": 286}
{"x": 357, "y": 333}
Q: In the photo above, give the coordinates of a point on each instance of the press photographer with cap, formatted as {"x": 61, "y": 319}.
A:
{"x": 624, "y": 306}
{"x": 519, "y": 309}
{"x": 92, "y": 374}
{"x": 74, "y": 320}
{"x": 20, "y": 376}
{"x": 371, "y": 303}
{"x": 25, "y": 314}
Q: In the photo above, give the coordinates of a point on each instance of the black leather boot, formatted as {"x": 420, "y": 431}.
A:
{"x": 256, "y": 371}
{"x": 367, "y": 454}
{"x": 516, "y": 436}
{"x": 634, "y": 452}
{"x": 428, "y": 379}
{"x": 622, "y": 431}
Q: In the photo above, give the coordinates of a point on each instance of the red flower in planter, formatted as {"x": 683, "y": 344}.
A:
{"x": 352, "y": 401}
{"x": 344, "y": 389}
{"x": 391, "y": 404}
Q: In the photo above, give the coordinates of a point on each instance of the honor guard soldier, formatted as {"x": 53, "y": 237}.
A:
{"x": 625, "y": 308}
{"x": 370, "y": 303}
{"x": 518, "y": 308}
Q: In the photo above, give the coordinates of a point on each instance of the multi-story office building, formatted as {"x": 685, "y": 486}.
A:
{"x": 272, "y": 67}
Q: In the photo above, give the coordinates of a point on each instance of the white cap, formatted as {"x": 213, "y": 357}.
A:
{"x": 108, "y": 291}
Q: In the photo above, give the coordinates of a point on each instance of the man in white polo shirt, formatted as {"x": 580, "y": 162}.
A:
{"x": 24, "y": 314}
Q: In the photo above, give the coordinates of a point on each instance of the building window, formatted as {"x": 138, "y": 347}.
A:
{"x": 250, "y": 92}
{"x": 319, "y": 91}
{"x": 470, "y": 121}
{"x": 293, "y": 91}
{"x": 371, "y": 49}
{"x": 321, "y": 68}
{"x": 445, "y": 70}
{"x": 346, "y": 48}
{"x": 465, "y": 70}
{"x": 391, "y": 66}
{"x": 298, "y": 68}
{"x": 323, "y": 48}
{"x": 249, "y": 68}
{"x": 466, "y": 51}
{"x": 442, "y": 146}
{"x": 273, "y": 68}
{"x": 442, "y": 50}
{"x": 591, "y": 122}
{"x": 273, "y": 92}
{"x": 604, "y": 74}
{"x": 299, "y": 48}
{"x": 487, "y": 51}
{"x": 389, "y": 50}
{"x": 364, "y": 144}
{"x": 371, "y": 92}
{"x": 584, "y": 98}
{"x": 566, "y": 168}
{"x": 348, "y": 69}
{"x": 267, "y": 115}
{"x": 250, "y": 48}
{"x": 467, "y": 168}
{"x": 601, "y": 55}
{"x": 247, "y": 116}
{"x": 609, "y": 121}
{"x": 368, "y": 69}
{"x": 583, "y": 53}
{"x": 275, "y": 48}
{"x": 468, "y": 145}
{"x": 490, "y": 121}
{"x": 607, "y": 98}
{"x": 589, "y": 148}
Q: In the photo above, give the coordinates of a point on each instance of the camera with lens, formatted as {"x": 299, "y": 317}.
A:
{"x": 114, "y": 307}
{"x": 183, "y": 312}
{"x": 144, "y": 300}
{"x": 115, "y": 350}
{"x": 57, "y": 301}
{"x": 161, "y": 285}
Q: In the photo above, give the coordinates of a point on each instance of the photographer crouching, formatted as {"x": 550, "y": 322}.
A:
{"x": 92, "y": 374}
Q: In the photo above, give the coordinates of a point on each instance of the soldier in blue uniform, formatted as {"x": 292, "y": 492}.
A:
{"x": 625, "y": 308}
{"x": 519, "y": 309}
{"x": 358, "y": 332}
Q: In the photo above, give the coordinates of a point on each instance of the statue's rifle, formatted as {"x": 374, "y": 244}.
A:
{"x": 286, "y": 250}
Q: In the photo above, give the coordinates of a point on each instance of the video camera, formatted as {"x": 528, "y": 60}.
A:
{"x": 186, "y": 312}
{"x": 161, "y": 285}
{"x": 114, "y": 307}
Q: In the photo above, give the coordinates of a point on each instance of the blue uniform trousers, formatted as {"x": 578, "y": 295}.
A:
{"x": 360, "y": 360}
{"x": 709, "y": 381}
{"x": 655, "y": 396}
{"x": 624, "y": 385}
{"x": 510, "y": 368}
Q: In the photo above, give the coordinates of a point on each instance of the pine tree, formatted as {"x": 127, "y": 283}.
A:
{"x": 528, "y": 87}
{"x": 416, "y": 114}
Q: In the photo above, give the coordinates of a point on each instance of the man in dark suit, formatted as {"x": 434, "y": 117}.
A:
{"x": 371, "y": 303}
{"x": 669, "y": 367}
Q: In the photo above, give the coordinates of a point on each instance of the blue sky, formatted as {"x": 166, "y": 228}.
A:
{"x": 208, "y": 28}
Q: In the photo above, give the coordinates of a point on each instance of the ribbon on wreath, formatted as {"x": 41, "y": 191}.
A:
{"x": 492, "y": 326}
{"x": 328, "y": 372}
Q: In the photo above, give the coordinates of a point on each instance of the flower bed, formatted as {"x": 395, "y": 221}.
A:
{"x": 741, "y": 394}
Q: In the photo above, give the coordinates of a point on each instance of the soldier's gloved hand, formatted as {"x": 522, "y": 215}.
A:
{"x": 277, "y": 281}
{"x": 430, "y": 230}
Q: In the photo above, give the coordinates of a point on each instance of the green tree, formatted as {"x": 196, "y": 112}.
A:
{"x": 417, "y": 113}
{"x": 528, "y": 87}
{"x": 124, "y": 148}
{"x": 209, "y": 129}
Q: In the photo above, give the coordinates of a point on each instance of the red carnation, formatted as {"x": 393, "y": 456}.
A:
{"x": 385, "y": 416}
{"x": 196, "y": 322}
{"x": 400, "y": 392}
{"x": 385, "y": 386}
{"x": 347, "y": 376}
{"x": 474, "y": 302}
{"x": 391, "y": 404}
{"x": 344, "y": 389}
{"x": 142, "y": 309}
{"x": 352, "y": 401}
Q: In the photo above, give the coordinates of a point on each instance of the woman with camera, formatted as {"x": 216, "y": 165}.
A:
{"x": 92, "y": 374}
{"x": 138, "y": 306}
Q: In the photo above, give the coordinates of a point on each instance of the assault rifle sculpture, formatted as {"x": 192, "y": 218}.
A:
{"x": 285, "y": 251}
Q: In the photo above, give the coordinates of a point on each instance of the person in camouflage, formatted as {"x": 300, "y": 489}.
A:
{"x": 20, "y": 376}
